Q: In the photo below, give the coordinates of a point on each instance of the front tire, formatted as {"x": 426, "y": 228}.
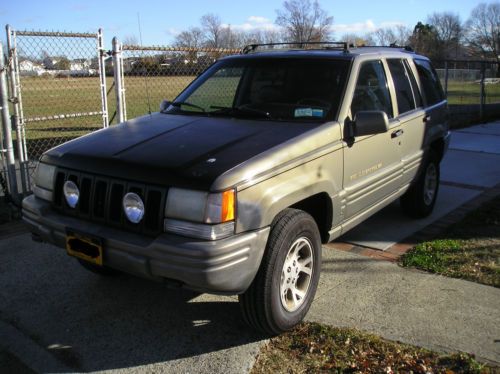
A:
{"x": 419, "y": 200}
{"x": 285, "y": 285}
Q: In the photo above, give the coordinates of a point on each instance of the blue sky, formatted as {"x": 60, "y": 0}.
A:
{"x": 161, "y": 20}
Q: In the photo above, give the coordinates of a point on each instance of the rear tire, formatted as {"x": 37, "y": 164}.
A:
{"x": 419, "y": 200}
{"x": 285, "y": 285}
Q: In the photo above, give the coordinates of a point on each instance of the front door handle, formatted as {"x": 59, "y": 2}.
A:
{"x": 397, "y": 133}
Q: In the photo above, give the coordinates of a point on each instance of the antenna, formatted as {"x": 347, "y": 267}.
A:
{"x": 145, "y": 75}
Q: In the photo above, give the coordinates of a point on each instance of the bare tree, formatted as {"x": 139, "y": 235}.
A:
{"x": 304, "y": 21}
{"x": 398, "y": 35}
{"x": 483, "y": 30}
{"x": 448, "y": 28}
{"x": 130, "y": 40}
{"x": 384, "y": 36}
{"x": 355, "y": 39}
{"x": 212, "y": 26}
{"x": 192, "y": 38}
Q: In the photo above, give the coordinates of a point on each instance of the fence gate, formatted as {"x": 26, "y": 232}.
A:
{"x": 58, "y": 91}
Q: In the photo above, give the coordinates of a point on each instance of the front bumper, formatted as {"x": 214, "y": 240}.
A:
{"x": 225, "y": 266}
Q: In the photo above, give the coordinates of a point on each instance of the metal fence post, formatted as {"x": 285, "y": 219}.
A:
{"x": 16, "y": 119}
{"x": 118, "y": 75}
{"x": 482, "y": 97}
{"x": 446, "y": 79}
{"x": 102, "y": 77}
{"x": 7, "y": 128}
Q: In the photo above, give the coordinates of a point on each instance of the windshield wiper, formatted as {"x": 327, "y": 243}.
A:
{"x": 179, "y": 103}
{"x": 239, "y": 110}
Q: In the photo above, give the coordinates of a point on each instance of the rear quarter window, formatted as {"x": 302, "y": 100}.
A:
{"x": 430, "y": 82}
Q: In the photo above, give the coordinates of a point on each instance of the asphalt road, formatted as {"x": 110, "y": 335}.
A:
{"x": 50, "y": 307}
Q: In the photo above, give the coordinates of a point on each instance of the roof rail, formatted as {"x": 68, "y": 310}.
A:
{"x": 299, "y": 45}
{"x": 392, "y": 45}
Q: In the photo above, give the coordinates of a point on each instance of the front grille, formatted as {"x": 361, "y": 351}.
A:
{"x": 101, "y": 201}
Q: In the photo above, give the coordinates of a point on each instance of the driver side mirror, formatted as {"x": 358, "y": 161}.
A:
{"x": 370, "y": 122}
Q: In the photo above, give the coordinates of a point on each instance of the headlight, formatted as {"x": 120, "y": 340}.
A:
{"x": 44, "y": 181}
{"x": 200, "y": 214}
{"x": 133, "y": 207}
{"x": 71, "y": 193}
{"x": 200, "y": 206}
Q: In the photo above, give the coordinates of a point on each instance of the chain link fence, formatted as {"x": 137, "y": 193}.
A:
{"x": 153, "y": 74}
{"x": 57, "y": 89}
{"x": 472, "y": 89}
{"x": 62, "y": 83}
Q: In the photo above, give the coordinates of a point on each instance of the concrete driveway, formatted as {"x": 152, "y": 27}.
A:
{"x": 53, "y": 308}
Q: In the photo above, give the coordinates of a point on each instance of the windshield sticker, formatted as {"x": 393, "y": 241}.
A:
{"x": 303, "y": 112}
{"x": 317, "y": 112}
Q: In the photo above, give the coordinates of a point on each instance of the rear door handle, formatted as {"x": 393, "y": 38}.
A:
{"x": 397, "y": 133}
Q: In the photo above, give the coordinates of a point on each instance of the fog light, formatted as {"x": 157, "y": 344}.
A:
{"x": 71, "y": 193}
{"x": 133, "y": 207}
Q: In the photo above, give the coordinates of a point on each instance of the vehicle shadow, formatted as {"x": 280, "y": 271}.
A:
{"x": 129, "y": 322}
{"x": 94, "y": 323}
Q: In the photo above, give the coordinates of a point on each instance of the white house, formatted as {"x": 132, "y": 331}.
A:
{"x": 28, "y": 67}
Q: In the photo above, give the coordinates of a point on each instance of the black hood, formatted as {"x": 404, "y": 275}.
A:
{"x": 181, "y": 150}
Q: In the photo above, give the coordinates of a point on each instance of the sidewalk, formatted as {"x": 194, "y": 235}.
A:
{"x": 408, "y": 305}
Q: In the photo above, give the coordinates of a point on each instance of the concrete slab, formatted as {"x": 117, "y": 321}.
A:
{"x": 414, "y": 307}
{"x": 390, "y": 225}
{"x": 492, "y": 128}
{"x": 466, "y": 141}
{"x": 471, "y": 168}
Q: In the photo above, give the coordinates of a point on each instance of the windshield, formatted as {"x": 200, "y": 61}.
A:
{"x": 268, "y": 88}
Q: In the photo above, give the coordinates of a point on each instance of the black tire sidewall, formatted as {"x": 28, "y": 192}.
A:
{"x": 427, "y": 208}
{"x": 303, "y": 227}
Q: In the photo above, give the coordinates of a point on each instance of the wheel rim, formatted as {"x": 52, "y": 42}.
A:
{"x": 296, "y": 274}
{"x": 430, "y": 184}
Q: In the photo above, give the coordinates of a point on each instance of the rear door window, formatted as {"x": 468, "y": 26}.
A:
{"x": 430, "y": 82}
{"x": 402, "y": 85}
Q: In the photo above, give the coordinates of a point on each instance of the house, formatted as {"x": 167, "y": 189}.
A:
{"x": 79, "y": 64}
{"x": 28, "y": 67}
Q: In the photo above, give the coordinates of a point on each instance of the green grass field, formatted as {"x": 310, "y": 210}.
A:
{"x": 49, "y": 96}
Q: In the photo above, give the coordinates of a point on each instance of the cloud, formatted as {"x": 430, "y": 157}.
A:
{"x": 363, "y": 27}
{"x": 254, "y": 23}
{"x": 172, "y": 31}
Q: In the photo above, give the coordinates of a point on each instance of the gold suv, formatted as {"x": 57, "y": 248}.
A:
{"x": 233, "y": 187}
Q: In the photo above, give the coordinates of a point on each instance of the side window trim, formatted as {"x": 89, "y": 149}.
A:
{"x": 417, "y": 98}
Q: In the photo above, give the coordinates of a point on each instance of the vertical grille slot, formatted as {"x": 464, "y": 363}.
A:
{"x": 115, "y": 202}
{"x": 100, "y": 190}
{"x": 58, "y": 189}
{"x": 153, "y": 209}
{"x": 85, "y": 192}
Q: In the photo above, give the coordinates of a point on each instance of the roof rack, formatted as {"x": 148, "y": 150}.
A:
{"x": 299, "y": 45}
{"x": 392, "y": 45}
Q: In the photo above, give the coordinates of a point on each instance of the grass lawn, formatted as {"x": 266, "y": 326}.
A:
{"x": 469, "y": 93}
{"x": 470, "y": 249}
{"x": 314, "y": 348}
